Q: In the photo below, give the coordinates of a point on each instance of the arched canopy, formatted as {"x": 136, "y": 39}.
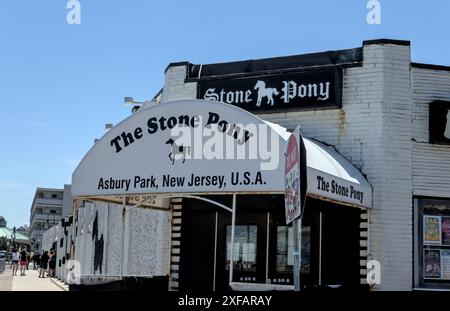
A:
{"x": 204, "y": 147}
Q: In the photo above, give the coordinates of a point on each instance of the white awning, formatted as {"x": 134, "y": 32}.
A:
{"x": 330, "y": 175}
{"x": 134, "y": 158}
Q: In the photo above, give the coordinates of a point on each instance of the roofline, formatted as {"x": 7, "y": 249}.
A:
{"x": 343, "y": 58}
{"x": 175, "y": 64}
{"x": 430, "y": 66}
{"x": 387, "y": 41}
{"x": 48, "y": 189}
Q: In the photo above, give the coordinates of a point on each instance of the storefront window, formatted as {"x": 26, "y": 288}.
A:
{"x": 285, "y": 249}
{"x": 244, "y": 253}
{"x": 433, "y": 243}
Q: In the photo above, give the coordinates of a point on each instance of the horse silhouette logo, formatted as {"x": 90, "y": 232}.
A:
{"x": 265, "y": 92}
{"x": 177, "y": 150}
{"x": 447, "y": 127}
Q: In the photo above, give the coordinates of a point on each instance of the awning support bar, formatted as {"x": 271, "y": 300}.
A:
{"x": 206, "y": 200}
{"x": 233, "y": 225}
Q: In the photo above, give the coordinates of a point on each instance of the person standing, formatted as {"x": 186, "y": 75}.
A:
{"x": 36, "y": 257}
{"x": 52, "y": 264}
{"x": 29, "y": 259}
{"x": 23, "y": 261}
{"x": 43, "y": 264}
{"x": 15, "y": 262}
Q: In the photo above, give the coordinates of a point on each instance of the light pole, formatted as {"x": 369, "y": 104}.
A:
{"x": 14, "y": 237}
{"x": 138, "y": 104}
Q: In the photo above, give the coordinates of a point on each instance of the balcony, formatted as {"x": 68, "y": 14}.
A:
{"x": 42, "y": 218}
{"x": 36, "y": 234}
{"x": 42, "y": 201}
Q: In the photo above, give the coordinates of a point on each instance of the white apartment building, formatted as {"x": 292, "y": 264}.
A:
{"x": 45, "y": 212}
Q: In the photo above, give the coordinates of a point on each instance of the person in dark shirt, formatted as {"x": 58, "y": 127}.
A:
{"x": 43, "y": 264}
{"x": 52, "y": 264}
{"x": 29, "y": 260}
{"x": 23, "y": 262}
{"x": 36, "y": 258}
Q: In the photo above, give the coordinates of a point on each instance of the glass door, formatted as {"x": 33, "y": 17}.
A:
{"x": 249, "y": 254}
{"x": 244, "y": 253}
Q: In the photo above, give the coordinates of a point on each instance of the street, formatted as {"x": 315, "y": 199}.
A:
{"x": 29, "y": 282}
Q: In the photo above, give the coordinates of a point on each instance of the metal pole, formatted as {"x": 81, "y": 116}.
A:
{"x": 296, "y": 256}
{"x": 233, "y": 222}
{"x": 124, "y": 204}
{"x": 297, "y": 227}
{"x": 299, "y": 252}
{"x": 14, "y": 237}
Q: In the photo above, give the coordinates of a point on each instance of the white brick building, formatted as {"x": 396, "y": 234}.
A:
{"x": 382, "y": 129}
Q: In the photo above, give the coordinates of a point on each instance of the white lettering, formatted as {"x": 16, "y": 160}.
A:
{"x": 74, "y": 15}
{"x": 374, "y": 14}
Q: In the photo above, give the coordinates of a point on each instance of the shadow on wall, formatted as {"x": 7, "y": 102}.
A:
{"x": 98, "y": 246}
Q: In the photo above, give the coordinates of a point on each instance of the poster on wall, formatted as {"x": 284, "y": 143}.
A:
{"x": 445, "y": 225}
{"x": 445, "y": 264}
{"x": 432, "y": 264}
{"x": 431, "y": 230}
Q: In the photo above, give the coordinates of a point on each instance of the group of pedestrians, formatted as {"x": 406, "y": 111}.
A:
{"x": 21, "y": 259}
{"x": 45, "y": 263}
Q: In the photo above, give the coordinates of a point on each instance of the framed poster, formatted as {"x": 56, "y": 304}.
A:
{"x": 431, "y": 229}
{"x": 432, "y": 264}
{"x": 445, "y": 264}
{"x": 445, "y": 227}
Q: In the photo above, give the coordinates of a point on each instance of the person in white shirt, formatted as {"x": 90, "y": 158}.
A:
{"x": 15, "y": 262}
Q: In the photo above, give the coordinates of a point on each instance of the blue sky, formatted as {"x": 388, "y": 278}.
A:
{"x": 60, "y": 83}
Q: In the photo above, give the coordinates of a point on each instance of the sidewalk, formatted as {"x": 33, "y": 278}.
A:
{"x": 5, "y": 280}
{"x": 29, "y": 282}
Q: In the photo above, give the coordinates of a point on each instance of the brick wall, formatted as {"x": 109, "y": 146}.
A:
{"x": 431, "y": 163}
{"x": 373, "y": 131}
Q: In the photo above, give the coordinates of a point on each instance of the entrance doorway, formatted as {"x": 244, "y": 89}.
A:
{"x": 264, "y": 244}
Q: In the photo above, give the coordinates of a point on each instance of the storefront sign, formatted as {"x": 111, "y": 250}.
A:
{"x": 198, "y": 146}
{"x": 293, "y": 196}
{"x": 321, "y": 88}
{"x": 328, "y": 186}
{"x": 184, "y": 147}
{"x": 439, "y": 122}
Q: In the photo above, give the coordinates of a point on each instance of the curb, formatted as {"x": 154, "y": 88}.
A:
{"x": 60, "y": 286}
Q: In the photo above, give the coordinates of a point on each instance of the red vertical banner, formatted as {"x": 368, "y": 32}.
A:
{"x": 293, "y": 176}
